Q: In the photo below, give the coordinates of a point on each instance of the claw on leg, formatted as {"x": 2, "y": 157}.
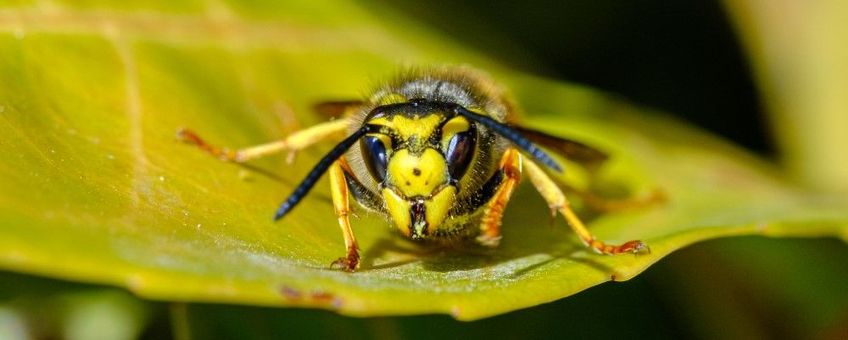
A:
{"x": 556, "y": 199}
{"x": 347, "y": 263}
{"x": 190, "y": 137}
{"x": 632, "y": 247}
{"x": 341, "y": 206}
{"x": 294, "y": 142}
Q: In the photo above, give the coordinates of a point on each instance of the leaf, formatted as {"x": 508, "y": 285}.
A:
{"x": 96, "y": 189}
{"x": 794, "y": 69}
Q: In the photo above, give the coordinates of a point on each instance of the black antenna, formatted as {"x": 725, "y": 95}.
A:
{"x": 509, "y": 133}
{"x": 317, "y": 171}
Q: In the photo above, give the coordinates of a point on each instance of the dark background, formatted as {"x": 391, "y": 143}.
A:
{"x": 679, "y": 56}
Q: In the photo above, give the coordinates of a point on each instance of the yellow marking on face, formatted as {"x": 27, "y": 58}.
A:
{"x": 382, "y": 121}
{"x": 435, "y": 210}
{"x": 398, "y": 209}
{"x": 437, "y": 207}
{"x": 419, "y": 127}
{"x": 417, "y": 175}
{"x": 452, "y": 127}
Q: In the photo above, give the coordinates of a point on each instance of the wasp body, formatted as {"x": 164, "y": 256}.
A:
{"x": 432, "y": 152}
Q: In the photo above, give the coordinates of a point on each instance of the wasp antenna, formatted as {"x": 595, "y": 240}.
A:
{"x": 307, "y": 183}
{"x": 514, "y": 136}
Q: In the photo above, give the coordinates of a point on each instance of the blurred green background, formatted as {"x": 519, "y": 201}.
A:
{"x": 695, "y": 60}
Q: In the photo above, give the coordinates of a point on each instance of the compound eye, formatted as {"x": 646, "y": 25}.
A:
{"x": 374, "y": 152}
{"x": 459, "y": 147}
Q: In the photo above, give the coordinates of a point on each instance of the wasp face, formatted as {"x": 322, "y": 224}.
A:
{"x": 418, "y": 160}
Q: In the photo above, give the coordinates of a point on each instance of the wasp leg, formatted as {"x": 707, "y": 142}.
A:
{"x": 490, "y": 226}
{"x": 341, "y": 205}
{"x": 294, "y": 142}
{"x": 557, "y": 201}
{"x": 605, "y": 204}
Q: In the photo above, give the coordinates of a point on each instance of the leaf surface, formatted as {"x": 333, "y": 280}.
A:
{"x": 95, "y": 188}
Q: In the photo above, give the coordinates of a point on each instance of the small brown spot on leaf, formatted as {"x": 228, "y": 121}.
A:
{"x": 314, "y": 297}
{"x": 290, "y": 293}
{"x": 327, "y": 298}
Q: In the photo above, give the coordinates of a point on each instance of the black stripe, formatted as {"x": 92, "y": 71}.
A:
{"x": 480, "y": 197}
{"x": 365, "y": 197}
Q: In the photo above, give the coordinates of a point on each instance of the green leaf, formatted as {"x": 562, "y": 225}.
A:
{"x": 96, "y": 189}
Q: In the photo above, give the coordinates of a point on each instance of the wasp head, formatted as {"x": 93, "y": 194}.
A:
{"x": 417, "y": 155}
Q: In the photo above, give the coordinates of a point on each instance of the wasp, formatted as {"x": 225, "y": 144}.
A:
{"x": 433, "y": 152}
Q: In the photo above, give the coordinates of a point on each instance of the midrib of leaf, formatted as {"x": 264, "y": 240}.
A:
{"x": 133, "y": 112}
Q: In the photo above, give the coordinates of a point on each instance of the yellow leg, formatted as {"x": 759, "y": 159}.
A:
{"x": 490, "y": 226}
{"x": 341, "y": 205}
{"x": 557, "y": 201}
{"x": 294, "y": 142}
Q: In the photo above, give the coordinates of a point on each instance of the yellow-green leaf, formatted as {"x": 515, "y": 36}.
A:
{"x": 94, "y": 187}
